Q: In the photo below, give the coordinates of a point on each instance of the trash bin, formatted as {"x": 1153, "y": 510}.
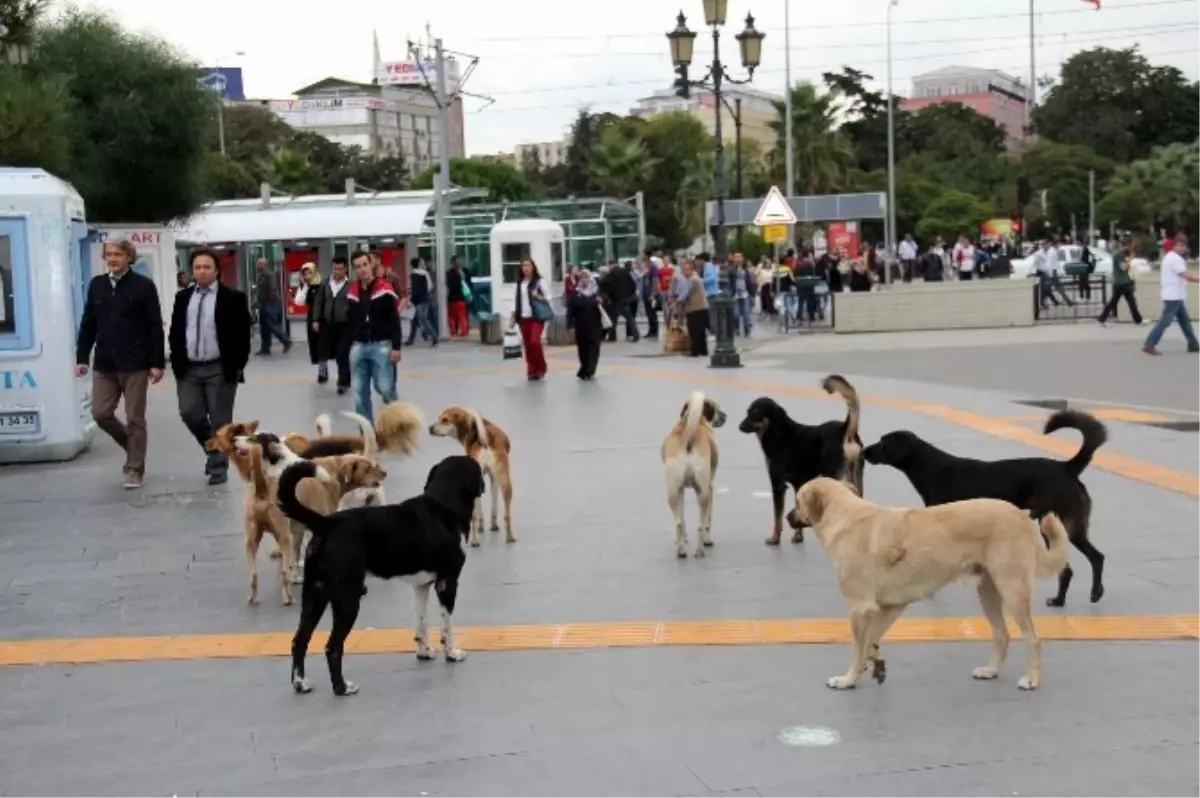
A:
{"x": 490, "y": 332}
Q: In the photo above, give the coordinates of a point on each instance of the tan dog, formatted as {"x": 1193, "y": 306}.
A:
{"x": 261, "y": 516}
{"x": 223, "y": 441}
{"x": 398, "y": 432}
{"x": 689, "y": 455}
{"x": 347, "y": 474}
{"x": 887, "y": 558}
{"x": 489, "y": 446}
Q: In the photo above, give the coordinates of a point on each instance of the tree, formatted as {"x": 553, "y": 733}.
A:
{"x": 18, "y": 24}
{"x": 1159, "y": 190}
{"x": 620, "y": 165}
{"x": 331, "y": 160}
{"x": 951, "y": 130}
{"x": 823, "y": 156}
{"x": 35, "y": 118}
{"x": 951, "y": 215}
{"x": 585, "y": 137}
{"x": 865, "y": 116}
{"x": 503, "y": 182}
{"x": 252, "y": 133}
{"x": 389, "y": 173}
{"x": 137, "y": 118}
{"x": 1062, "y": 171}
{"x": 676, "y": 140}
{"x": 1120, "y": 106}
{"x": 290, "y": 171}
{"x": 222, "y": 178}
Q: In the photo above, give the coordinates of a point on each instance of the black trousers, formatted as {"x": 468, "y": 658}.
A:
{"x": 588, "y": 346}
{"x": 206, "y": 404}
{"x": 1118, "y": 291}
{"x": 697, "y": 327}
{"x": 649, "y": 304}
{"x": 337, "y": 340}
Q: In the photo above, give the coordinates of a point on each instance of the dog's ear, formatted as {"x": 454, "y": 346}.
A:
{"x": 810, "y": 502}
{"x": 251, "y": 427}
{"x": 683, "y": 412}
{"x": 430, "y": 478}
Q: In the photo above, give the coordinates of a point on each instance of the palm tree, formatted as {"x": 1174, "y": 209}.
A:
{"x": 1164, "y": 185}
{"x": 698, "y": 186}
{"x": 290, "y": 171}
{"x": 621, "y": 166}
{"x": 823, "y": 156}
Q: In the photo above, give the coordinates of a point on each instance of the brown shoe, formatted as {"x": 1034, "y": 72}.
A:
{"x": 133, "y": 480}
{"x": 1149, "y": 350}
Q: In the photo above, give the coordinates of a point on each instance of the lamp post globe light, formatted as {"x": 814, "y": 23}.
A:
{"x": 682, "y": 42}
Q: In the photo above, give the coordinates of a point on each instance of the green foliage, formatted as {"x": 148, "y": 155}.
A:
{"x": 221, "y": 176}
{"x": 621, "y": 164}
{"x": 823, "y": 155}
{"x": 1161, "y": 190}
{"x": 291, "y": 171}
{"x": 503, "y": 182}
{"x": 1062, "y": 171}
{"x": 950, "y": 130}
{"x": 678, "y": 142}
{"x": 952, "y": 214}
{"x": 136, "y": 118}
{"x": 35, "y": 117}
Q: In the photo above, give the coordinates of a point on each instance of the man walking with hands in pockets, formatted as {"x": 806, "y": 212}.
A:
{"x": 122, "y": 322}
{"x": 377, "y": 335}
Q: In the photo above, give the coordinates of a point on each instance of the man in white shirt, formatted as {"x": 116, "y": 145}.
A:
{"x": 908, "y": 257}
{"x": 1045, "y": 262}
{"x": 964, "y": 258}
{"x": 1174, "y": 277}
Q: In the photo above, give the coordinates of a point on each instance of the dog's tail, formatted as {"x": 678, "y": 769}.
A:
{"x": 480, "y": 428}
{"x": 367, "y": 430}
{"x": 834, "y": 383}
{"x": 1052, "y": 559}
{"x": 1094, "y": 436}
{"x": 291, "y": 506}
{"x": 693, "y": 415}
{"x": 324, "y": 425}
{"x": 400, "y": 425}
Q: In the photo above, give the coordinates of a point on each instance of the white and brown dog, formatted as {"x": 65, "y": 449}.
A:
{"x": 489, "y": 446}
{"x": 689, "y": 456}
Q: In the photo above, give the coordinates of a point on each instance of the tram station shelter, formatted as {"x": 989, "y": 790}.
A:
{"x": 290, "y": 231}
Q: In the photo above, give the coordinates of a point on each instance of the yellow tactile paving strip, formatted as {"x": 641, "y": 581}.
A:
{"x": 648, "y": 634}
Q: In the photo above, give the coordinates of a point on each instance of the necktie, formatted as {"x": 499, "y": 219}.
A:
{"x": 200, "y": 324}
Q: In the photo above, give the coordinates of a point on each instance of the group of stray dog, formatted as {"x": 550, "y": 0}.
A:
{"x": 999, "y": 525}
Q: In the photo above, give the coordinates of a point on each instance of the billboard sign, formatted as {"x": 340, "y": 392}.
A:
{"x": 417, "y": 73}
{"x": 329, "y": 103}
{"x": 225, "y": 81}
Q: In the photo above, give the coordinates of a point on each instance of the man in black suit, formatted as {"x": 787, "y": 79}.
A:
{"x": 210, "y": 346}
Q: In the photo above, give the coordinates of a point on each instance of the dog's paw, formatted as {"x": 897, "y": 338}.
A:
{"x": 798, "y": 536}
{"x": 495, "y": 527}
{"x": 773, "y": 540}
{"x": 350, "y": 689}
{"x": 708, "y": 544}
{"x": 984, "y": 672}
{"x": 1025, "y": 683}
{"x": 252, "y": 599}
{"x": 455, "y": 655}
{"x": 301, "y": 685}
{"x": 1097, "y": 594}
{"x": 842, "y": 682}
{"x": 700, "y": 552}
{"x": 287, "y": 601}
{"x": 879, "y": 669}
{"x": 681, "y": 553}
{"x": 275, "y": 555}
{"x": 1056, "y": 602}
{"x": 425, "y": 653}
{"x": 474, "y": 543}
{"x": 510, "y": 538}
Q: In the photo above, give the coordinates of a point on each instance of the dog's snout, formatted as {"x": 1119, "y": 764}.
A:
{"x": 747, "y": 425}
{"x": 793, "y": 519}
{"x": 871, "y": 454}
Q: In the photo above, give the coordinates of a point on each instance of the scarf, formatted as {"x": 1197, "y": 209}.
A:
{"x": 590, "y": 289}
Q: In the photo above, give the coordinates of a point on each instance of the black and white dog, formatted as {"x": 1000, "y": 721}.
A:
{"x": 422, "y": 540}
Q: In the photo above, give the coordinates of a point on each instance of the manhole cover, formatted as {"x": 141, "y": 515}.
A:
{"x": 1046, "y": 404}
{"x": 1177, "y": 426}
{"x": 808, "y": 736}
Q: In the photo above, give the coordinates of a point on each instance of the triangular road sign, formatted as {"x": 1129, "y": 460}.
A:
{"x": 774, "y": 210}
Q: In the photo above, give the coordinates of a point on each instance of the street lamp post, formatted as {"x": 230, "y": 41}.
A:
{"x": 682, "y": 43}
{"x": 221, "y": 105}
{"x": 891, "y": 149}
{"x": 736, "y": 112}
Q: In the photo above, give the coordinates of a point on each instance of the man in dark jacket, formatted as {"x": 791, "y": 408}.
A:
{"x": 270, "y": 309}
{"x": 377, "y": 334}
{"x": 621, "y": 288}
{"x": 331, "y": 317}
{"x": 419, "y": 296}
{"x": 210, "y": 346}
{"x": 122, "y": 321}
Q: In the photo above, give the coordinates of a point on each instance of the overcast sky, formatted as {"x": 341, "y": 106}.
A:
{"x": 541, "y": 60}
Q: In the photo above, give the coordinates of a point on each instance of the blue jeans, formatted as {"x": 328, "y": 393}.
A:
{"x": 371, "y": 363}
{"x": 744, "y": 311}
{"x": 1174, "y": 310}
{"x": 420, "y": 320}
{"x": 270, "y": 322}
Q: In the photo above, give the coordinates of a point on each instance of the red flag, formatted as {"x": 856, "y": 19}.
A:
{"x": 1096, "y": 3}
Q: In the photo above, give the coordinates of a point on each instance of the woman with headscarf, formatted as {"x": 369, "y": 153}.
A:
{"x": 589, "y": 328}
{"x": 311, "y": 276}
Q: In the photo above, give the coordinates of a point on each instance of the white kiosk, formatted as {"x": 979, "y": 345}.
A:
{"x": 45, "y": 265}
{"x": 512, "y": 242}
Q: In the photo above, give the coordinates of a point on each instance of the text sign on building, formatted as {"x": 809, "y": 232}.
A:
{"x": 224, "y": 81}
{"x": 417, "y": 73}
{"x": 774, "y": 210}
{"x": 327, "y": 103}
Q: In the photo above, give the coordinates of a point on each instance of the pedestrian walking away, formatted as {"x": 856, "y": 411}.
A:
{"x": 307, "y": 294}
{"x": 419, "y": 295}
{"x": 270, "y": 309}
{"x": 532, "y": 311}
{"x": 376, "y": 333}
{"x": 456, "y": 300}
{"x": 1123, "y": 286}
{"x": 1174, "y": 277}
{"x": 122, "y": 323}
{"x": 210, "y": 347}
{"x": 332, "y": 318}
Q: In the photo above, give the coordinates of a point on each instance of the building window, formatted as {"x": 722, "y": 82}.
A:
{"x": 511, "y": 256}
{"x": 556, "y": 262}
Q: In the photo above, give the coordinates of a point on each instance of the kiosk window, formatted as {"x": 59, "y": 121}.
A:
{"x": 15, "y": 294}
{"x": 511, "y": 256}
{"x": 556, "y": 262}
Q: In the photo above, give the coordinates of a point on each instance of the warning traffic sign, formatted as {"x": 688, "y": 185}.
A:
{"x": 774, "y": 210}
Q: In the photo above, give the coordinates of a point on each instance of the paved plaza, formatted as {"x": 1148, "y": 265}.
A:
{"x": 599, "y": 663}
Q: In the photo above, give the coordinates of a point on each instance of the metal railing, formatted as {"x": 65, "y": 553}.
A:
{"x": 1069, "y": 298}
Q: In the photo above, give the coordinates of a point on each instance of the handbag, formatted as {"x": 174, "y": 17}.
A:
{"x": 512, "y": 344}
{"x": 605, "y": 321}
{"x": 540, "y": 310}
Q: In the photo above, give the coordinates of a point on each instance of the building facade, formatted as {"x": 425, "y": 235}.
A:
{"x": 758, "y": 111}
{"x": 549, "y": 153}
{"x": 988, "y": 91}
{"x": 381, "y": 120}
